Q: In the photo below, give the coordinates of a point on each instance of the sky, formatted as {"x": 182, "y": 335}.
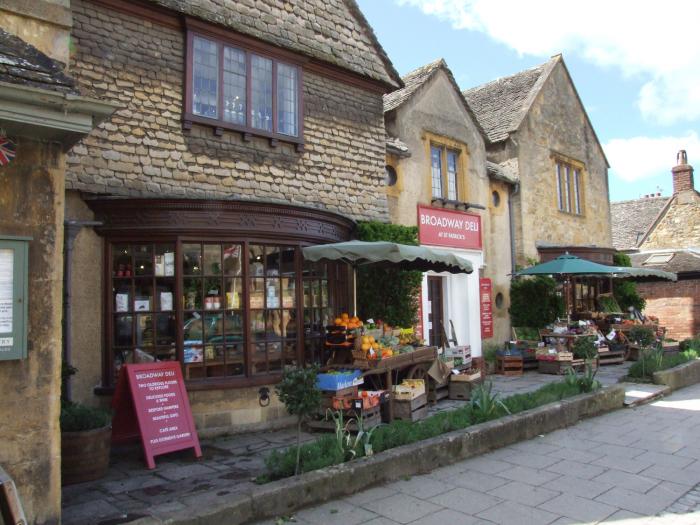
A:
{"x": 635, "y": 64}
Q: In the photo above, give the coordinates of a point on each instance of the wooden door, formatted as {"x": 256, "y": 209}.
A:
{"x": 436, "y": 315}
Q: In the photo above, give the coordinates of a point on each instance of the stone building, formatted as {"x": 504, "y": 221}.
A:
{"x": 42, "y": 114}
{"x": 548, "y": 168}
{"x": 664, "y": 233}
{"x": 245, "y": 130}
{"x": 436, "y": 167}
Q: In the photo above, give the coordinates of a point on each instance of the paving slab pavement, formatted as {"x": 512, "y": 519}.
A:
{"x": 230, "y": 463}
{"x": 635, "y": 484}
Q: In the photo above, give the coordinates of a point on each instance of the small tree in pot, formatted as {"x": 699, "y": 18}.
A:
{"x": 301, "y": 397}
{"x": 86, "y": 435}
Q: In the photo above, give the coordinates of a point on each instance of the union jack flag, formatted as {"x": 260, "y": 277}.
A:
{"x": 7, "y": 151}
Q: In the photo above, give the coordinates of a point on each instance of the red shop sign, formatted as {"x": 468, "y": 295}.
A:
{"x": 486, "y": 308}
{"x": 456, "y": 229}
{"x": 151, "y": 402}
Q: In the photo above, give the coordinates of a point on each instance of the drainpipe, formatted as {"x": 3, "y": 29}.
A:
{"x": 72, "y": 229}
{"x": 511, "y": 194}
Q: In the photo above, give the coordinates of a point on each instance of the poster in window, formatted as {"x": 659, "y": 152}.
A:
{"x": 166, "y": 301}
{"x": 122, "y": 302}
{"x": 6, "y": 284}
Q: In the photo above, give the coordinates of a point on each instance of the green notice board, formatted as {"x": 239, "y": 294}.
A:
{"x": 14, "y": 267}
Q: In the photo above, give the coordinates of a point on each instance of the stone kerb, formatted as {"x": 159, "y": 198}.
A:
{"x": 679, "y": 376}
{"x": 285, "y": 496}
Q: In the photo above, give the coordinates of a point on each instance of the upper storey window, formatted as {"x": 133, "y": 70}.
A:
{"x": 232, "y": 87}
{"x": 569, "y": 187}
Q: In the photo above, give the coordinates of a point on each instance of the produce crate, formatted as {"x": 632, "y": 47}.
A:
{"x": 412, "y": 410}
{"x": 437, "y": 391}
{"x": 409, "y": 389}
{"x": 611, "y": 357}
{"x": 468, "y": 377}
{"x": 554, "y": 367}
{"x": 338, "y": 398}
{"x": 335, "y": 382}
{"x": 370, "y": 418}
{"x": 509, "y": 365}
{"x": 460, "y": 390}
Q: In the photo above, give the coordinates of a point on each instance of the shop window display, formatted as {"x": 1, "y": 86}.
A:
{"x": 244, "y": 309}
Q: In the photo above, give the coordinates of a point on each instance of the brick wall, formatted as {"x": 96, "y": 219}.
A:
{"x": 677, "y": 305}
{"x": 143, "y": 151}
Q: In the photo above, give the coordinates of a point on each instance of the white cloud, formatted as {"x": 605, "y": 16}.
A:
{"x": 657, "y": 41}
{"x": 638, "y": 158}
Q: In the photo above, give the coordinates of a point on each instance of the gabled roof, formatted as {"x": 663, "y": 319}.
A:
{"x": 632, "y": 219}
{"x": 678, "y": 260}
{"x": 501, "y": 105}
{"x": 333, "y": 31}
{"x": 23, "y": 64}
{"x": 418, "y": 78}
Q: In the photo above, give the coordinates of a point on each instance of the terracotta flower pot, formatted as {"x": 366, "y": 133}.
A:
{"x": 85, "y": 455}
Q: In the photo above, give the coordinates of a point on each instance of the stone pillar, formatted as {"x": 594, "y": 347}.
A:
{"x": 31, "y": 204}
{"x": 682, "y": 174}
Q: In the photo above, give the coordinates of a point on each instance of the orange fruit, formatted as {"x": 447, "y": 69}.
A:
{"x": 365, "y": 340}
{"x": 365, "y": 347}
{"x": 371, "y": 339}
{"x": 338, "y": 321}
{"x": 345, "y": 316}
{"x": 375, "y": 346}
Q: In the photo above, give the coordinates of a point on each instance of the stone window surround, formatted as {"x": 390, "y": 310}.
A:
{"x": 224, "y": 37}
{"x": 447, "y": 144}
{"x": 574, "y": 166}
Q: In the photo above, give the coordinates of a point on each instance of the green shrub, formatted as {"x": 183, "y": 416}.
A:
{"x": 643, "y": 336}
{"x": 489, "y": 352}
{"x": 624, "y": 290}
{"x": 584, "y": 348}
{"x": 77, "y": 418}
{"x": 534, "y": 301}
{"x": 654, "y": 361}
{"x": 689, "y": 344}
{"x": 388, "y": 294}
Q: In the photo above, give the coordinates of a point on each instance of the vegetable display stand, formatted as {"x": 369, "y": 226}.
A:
{"x": 411, "y": 410}
{"x": 509, "y": 365}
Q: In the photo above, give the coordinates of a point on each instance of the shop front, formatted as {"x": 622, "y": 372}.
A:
{"x": 450, "y": 303}
{"x": 220, "y": 287}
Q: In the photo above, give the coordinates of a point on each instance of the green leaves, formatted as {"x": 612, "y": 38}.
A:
{"x": 388, "y": 293}
{"x": 625, "y": 291}
{"x": 534, "y": 301}
{"x": 298, "y": 391}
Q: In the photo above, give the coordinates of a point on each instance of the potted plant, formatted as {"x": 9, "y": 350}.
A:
{"x": 489, "y": 353}
{"x": 86, "y": 435}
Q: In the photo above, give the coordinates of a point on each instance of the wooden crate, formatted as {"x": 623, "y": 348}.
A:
{"x": 509, "y": 365}
{"x": 436, "y": 391}
{"x": 554, "y": 367}
{"x": 611, "y": 357}
{"x": 412, "y": 410}
{"x": 460, "y": 390}
{"x": 370, "y": 418}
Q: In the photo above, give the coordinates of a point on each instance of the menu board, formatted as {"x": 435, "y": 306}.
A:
{"x": 486, "y": 308}
{"x": 7, "y": 257}
{"x": 151, "y": 402}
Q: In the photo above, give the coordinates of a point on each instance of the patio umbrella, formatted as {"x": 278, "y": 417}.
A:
{"x": 387, "y": 254}
{"x": 568, "y": 264}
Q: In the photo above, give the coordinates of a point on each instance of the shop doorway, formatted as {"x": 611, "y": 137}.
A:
{"x": 436, "y": 317}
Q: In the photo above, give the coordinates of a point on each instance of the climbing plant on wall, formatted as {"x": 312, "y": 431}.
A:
{"x": 388, "y": 294}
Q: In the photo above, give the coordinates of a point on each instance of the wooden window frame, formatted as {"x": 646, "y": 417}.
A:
{"x": 568, "y": 178}
{"x": 336, "y": 293}
{"x": 223, "y": 38}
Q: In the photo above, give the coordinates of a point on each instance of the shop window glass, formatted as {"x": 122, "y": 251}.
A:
{"x": 234, "y": 85}
{"x": 238, "y": 307}
{"x": 205, "y": 74}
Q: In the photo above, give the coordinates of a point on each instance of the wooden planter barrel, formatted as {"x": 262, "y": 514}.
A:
{"x": 85, "y": 455}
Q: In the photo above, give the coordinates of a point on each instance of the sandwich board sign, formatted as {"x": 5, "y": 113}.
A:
{"x": 151, "y": 402}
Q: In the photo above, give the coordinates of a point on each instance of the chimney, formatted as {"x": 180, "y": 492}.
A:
{"x": 682, "y": 174}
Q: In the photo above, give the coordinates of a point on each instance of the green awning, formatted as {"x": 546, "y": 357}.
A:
{"x": 630, "y": 272}
{"x": 389, "y": 254}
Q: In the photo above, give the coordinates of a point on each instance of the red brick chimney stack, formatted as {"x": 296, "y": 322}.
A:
{"x": 682, "y": 173}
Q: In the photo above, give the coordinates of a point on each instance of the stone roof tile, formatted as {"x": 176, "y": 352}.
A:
{"x": 333, "y": 31}
{"x": 682, "y": 260}
{"x": 501, "y": 104}
{"x": 632, "y": 219}
{"x": 22, "y": 63}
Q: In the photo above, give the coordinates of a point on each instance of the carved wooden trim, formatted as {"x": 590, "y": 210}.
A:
{"x": 158, "y": 217}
